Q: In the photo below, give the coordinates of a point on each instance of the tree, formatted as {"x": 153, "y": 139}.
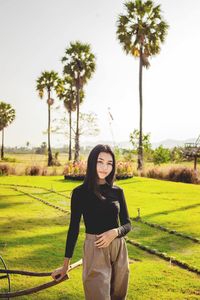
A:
{"x": 67, "y": 93}
{"x": 134, "y": 139}
{"x": 87, "y": 126}
{"x": 161, "y": 155}
{"x": 79, "y": 63}
{"x": 141, "y": 31}
{"x": 177, "y": 154}
{"x": 48, "y": 81}
{"x": 7, "y": 116}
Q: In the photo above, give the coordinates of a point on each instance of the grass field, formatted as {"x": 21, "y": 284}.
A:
{"x": 32, "y": 236}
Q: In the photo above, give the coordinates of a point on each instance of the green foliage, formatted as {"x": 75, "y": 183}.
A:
{"x": 66, "y": 91}
{"x": 141, "y": 29}
{"x": 134, "y": 139}
{"x": 177, "y": 154}
{"x": 161, "y": 155}
{"x": 129, "y": 155}
{"x": 48, "y": 81}
{"x": 79, "y": 63}
{"x": 7, "y": 115}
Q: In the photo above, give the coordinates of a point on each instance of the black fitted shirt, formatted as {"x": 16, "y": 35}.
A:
{"x": 98, "y": 215}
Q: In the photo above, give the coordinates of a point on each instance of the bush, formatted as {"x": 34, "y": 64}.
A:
{"x": 182, "y": 175}
{"x": 161, "y": 155}
{"x": 6, "y": 170}
{"x": 178, "y": 174}
{"x": 155, "y": 173}
{"x": 177, "y": 154}
{"x": 77, "y": 170}
{"x": 124, "y": 170}
{"x": 33, "y": 170}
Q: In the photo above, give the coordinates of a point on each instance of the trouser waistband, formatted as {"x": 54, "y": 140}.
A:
{"x": 93, "y": 237}
{"x": 90, "y": 236}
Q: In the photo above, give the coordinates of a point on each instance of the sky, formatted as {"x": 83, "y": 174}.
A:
{"x": 34, "y": 36}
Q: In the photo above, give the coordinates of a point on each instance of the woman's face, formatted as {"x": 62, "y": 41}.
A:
{"x": 104, "y": 165}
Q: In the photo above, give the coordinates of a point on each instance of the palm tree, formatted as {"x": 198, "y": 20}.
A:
{"x": 79, "y": 63}
{"x": 7, "y": 116}
{"x": 67, "y": 93}
{"x": 48, "y": 81}
{"x": 141, "y": 31}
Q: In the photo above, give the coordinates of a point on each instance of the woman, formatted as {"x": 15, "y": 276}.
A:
{"x": 105, "y": 257}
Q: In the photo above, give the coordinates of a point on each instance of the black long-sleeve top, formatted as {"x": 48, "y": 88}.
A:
{"x": 98, "y": 215}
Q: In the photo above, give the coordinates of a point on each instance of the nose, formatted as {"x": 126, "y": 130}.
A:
{"x": 104, "y": 167}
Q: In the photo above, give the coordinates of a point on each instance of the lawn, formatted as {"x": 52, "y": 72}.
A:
{"x": 33, "y": 235}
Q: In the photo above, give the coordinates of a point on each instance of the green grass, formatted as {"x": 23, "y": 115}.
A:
{"x": 33, "y": 235}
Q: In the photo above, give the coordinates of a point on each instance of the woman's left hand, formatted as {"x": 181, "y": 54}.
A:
{"x": 105, "y": 238}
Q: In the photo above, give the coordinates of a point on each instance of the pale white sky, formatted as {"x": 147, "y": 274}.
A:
{"x": 34, "y": 35}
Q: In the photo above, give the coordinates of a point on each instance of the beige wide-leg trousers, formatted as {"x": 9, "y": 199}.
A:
{"x": 105, "y": 270}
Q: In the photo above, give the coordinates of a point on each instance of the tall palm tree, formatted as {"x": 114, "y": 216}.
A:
{"x": 48, "y": 81}
{"x": 7, "y": 116}
{"x": 141, "y": 31}
{"x": 79, "y": 63}
{"x": 67, "y": 93}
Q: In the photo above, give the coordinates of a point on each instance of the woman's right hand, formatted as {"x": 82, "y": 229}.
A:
{"x": 59, "y": 273}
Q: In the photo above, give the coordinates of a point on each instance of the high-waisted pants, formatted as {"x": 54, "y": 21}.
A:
{"x": 105, "y": 270}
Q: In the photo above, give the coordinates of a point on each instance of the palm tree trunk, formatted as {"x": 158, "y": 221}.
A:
{"x": 195, "y": 164}
{"x": 50, "y": 158}
{"x": 2, "y": 145}
{"x": 76, "y": 156}
{"x": 140, "y": 148}
{"x": 70, "y": 134}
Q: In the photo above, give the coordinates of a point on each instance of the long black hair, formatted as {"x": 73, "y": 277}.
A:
{"x": 91, "y": 178}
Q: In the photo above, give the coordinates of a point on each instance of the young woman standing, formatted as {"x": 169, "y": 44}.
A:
{"x": 105, "y": 257}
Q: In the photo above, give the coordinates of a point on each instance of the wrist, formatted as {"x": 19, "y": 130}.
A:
{"x": 116, "y": 232}
{"x": 66, "y": 261}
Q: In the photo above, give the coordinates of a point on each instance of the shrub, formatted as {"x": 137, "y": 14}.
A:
{"x": 6, "y": 170}
{"x": 75, "y": 169}
{"x": 182, "y": 175}
{"x": 177, "y": 154}
{"x": 78, "y": 170}
{"x": 155, "y": 173}
{"x": 33, "y": 170}
{"x": 161, "y": 155}
{"x": 178, "y": 174}
{"x": 124, "y": 169}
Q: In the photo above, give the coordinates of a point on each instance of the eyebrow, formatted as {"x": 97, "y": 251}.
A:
{"x": 103, "y": 159}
